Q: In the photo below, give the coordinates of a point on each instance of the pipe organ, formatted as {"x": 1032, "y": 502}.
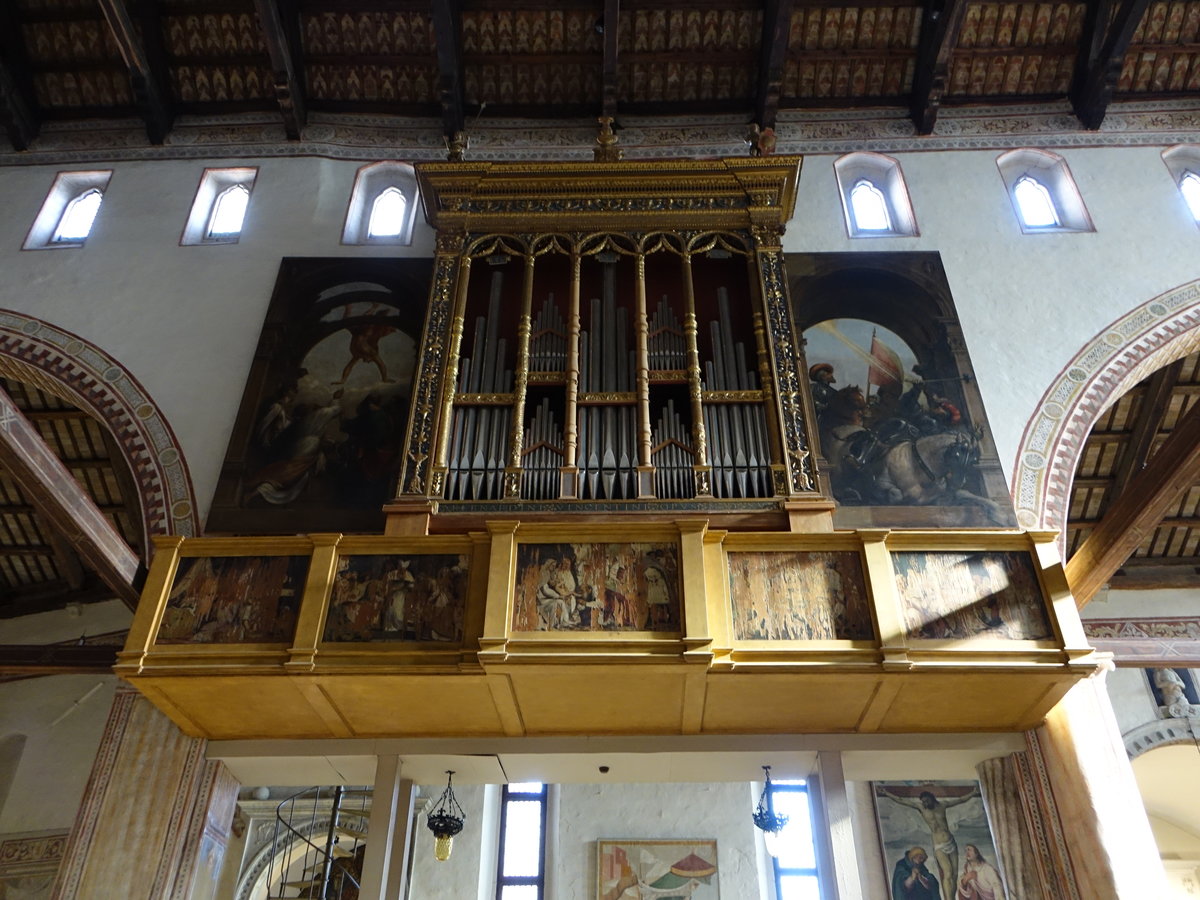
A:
{"x": 612, "y": 349}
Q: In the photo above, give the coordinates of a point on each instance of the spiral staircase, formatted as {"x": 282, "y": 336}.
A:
{"x": 318, "y": 855}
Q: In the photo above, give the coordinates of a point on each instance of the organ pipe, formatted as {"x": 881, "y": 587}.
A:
{"x": 645, "y": 463}
{"x": 476, "y": 464}
{"x": 605, "y": 437}
{"x": 571, "y": 482}
{"x": 699, "y": 428}
{"x": 522, "y": 382}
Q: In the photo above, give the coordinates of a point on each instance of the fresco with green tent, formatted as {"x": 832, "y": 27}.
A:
{"x": 662, "y": 870}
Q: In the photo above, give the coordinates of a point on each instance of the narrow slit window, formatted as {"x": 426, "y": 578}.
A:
{"x": 793, "y": 850}
{"x": 229, "y": 211}
{"x": 1189, "y": 186}
{"x": 521, "y": 864}
{"x": 76, "y": 222}
{"x": 388, "y": 214}
{"x": 1035, "y": 204}
{"x": 869, "y": 207}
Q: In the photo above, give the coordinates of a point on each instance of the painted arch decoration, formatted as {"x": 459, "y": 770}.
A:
{"x": 69, "y": 366}
{"x": 1153, "y": 335}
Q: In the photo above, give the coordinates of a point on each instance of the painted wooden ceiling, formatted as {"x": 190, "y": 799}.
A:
{"x": 1119, "y": 461}
{"x": 40, "y": 568}
{"x": 158, "y": 59}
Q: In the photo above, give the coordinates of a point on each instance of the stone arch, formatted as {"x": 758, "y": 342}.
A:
{"x": 1159, "y": 733}
{"x": 1142, "y": 341}
{"x": 70, "y": 367}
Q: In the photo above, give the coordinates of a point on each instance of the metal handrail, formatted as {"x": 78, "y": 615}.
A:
{"x": 324, "y": 854}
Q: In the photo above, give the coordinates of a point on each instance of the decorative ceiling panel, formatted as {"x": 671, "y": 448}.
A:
{"x": 669, "y": 82}
{"x": 1169, "y": 553}
{"x": 1009, "y": 74}
{"x": 373, "y": 83}
{"x": 218, "y": 34}
{"x": 39, "y": 569}
{"x": 70, "y": 42}
{"x": 376, "y": 33}
{"x": 1033, "y": 25}
{"x": 83, "y": 89}
{"x": 847, "y": 78}
{"x": 521, "y": 83}
{"x": 1169, "y": 23}
{"x": 222, "y": 84}
{"x": 712, "y": 30}
{"x": 855, "y": 28}
{"x": 851, "y": 53}
{"x": 57, "y": 5}
{"x": 1159, "y": 71}
{"x": 531, "y": 31}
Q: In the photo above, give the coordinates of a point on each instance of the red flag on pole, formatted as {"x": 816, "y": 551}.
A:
{"x": 886, "y": 368}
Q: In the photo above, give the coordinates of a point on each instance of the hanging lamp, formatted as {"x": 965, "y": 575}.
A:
{"x": 765, "y": 817}
{"x": 445, "y": 821}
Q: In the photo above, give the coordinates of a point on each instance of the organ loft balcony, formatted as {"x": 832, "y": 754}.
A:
{"x": 623, "y": 501}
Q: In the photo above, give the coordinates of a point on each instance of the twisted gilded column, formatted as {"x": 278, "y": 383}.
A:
{"x": 780, "y": 365}
{"x": 437, "y": 368}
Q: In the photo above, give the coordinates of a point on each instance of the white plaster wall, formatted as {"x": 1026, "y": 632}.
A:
{"x": 57, "y": 759}
{"x": 1126, "y": 604}
{"x": 588, "y": 813}
{"x": 871, "y": 868}
{"x": 1173, "y": 841}
{"x": 457, "y": 877}
{"x": 1132, "y": 701}
{"x": 185, "y": 320}
{"x": 66, "y": 624}
{"x": 1027, "y": 302}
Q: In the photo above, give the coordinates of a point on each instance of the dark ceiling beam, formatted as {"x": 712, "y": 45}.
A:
{"x": 280, "y": 20}
{"x": 144, "y": 58}
{"x": 1096, "y": 16}
{"x": 1167, "y": 522}
{"x": 940, "y": 27}
{"x": 777, "y": 22}
{"x": 1174, "y": 469}
{"x": 18, "y": 103}
{"x": 1100, "y": 61}
{"x": 1156, "y": 398}
{"x": 608, "y": 78}
{"x": 1149, "y": 653}
{"x": 64, "y": 505}
{"x": 447, "y": 34}
{"x": 47, "y": 596}
{"x": 55, "y": 659}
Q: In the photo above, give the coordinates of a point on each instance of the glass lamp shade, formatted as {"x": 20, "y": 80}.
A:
{"x": 442, "y": 845}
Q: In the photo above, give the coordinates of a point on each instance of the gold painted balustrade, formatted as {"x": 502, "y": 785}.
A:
{"x": 604, "y": 628}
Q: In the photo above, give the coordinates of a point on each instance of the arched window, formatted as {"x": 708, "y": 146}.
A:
{"x": 388, "y": 214}
{"x": 868, "y": 206}
{"x": 219, "y": 210}
{"x": 1042, "y": 191}
{"x": 1034, "y": 203}
{"x": 69, "y": 210}
{"x": 1189, "y": 186}
{"x": 382, "y": 205}
{"x": 228, "y": 212}
{"x": 874, "y": 196}
{"x": 76, "y": 222}
{"x": 1183, "y": 162}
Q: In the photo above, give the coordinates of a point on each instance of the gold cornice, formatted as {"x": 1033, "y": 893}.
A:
{"x": 655, "y": 194}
